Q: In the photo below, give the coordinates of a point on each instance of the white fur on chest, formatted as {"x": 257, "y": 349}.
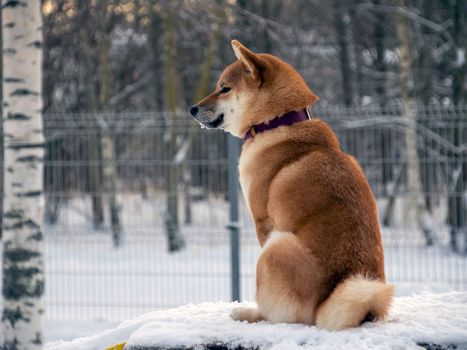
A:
{"x": 250, "y": 159}
{"x": 245, "y": 173}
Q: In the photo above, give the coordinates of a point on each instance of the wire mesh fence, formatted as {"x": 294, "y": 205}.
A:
{"x": 137, "y": 207}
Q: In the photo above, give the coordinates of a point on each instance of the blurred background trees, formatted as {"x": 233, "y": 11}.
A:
{"x": 110, "y": 53}
{"x": 160, "y": 55}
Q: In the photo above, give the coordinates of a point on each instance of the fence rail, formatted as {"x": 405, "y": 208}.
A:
{"x": 137, "y": 206}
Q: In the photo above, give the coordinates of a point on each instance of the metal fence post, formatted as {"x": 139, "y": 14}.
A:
{"x": 233, "y": 226}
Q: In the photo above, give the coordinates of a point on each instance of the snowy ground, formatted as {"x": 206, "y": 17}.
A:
{"x": 423, "y": 318}
{"x": 89, "y": 279}
{"x": 92, "y": 286}
{"x": 84, "y": 296}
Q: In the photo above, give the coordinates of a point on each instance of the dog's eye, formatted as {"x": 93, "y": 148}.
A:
{"x": 225, "y": 90}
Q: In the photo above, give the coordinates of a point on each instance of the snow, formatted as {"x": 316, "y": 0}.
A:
{"x": 89, "y": 280}
{"x": 460, "y": 57}
{"x": 419, "y": 318}
{"x": 92, "y": 286}
{"x": 69, "y": 330}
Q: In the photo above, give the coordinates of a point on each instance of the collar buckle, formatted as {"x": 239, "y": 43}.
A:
{"x": 253, "y": 131}
{"x": 308, "y": 112}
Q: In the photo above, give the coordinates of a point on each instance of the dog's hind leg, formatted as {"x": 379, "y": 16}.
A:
{"x": 288, "y": 280}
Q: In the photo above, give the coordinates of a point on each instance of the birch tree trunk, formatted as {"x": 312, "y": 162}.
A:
{"x": 23, "y": 273}
{"x": 416, "y": 212}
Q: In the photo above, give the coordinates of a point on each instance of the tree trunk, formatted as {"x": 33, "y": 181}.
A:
{"x": 425, "y": 63}
{"x": 460, "y": 48}
{"x": 416, "y": 212}
{"x": 457, "y": 210}
{"x": 381, "y": 68}
{"x": 387, "y": 215}
{"x": 358, "y": 46}
{"x": 380, "y": 63}
{"x": 342, "y": 32}
{"x": 95, "y": 178}
{"x": 157, "y": 47}
{"x": 23, "y": 271}
{"x": 425, "y": 55}
{"x": 2, "y": 168}
{"x": 95, "y": 173}
{"x": 172, "y": 227}
{"x": 110, "y": 181}
{"x": 107, "y": 141}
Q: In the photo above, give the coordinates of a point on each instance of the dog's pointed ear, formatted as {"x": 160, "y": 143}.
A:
{"x": 313, "y": 98}
{"x": 254, "y": 64}
{"x": 236, "y": 48}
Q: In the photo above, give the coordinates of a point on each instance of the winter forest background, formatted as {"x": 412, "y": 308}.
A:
{"x": 136, "y": 195}
{"x": 116, "y": 55}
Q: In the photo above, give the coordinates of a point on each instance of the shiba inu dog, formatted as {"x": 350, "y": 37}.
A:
{"x": 315, "y": 215}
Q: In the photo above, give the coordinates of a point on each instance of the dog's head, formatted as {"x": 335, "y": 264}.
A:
{"x": 254, "y": 89}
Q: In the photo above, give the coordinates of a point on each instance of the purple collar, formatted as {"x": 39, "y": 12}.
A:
{"x": 284, "y": 120}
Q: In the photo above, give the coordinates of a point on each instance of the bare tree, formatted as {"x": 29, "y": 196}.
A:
{"x": 23, "y": 272}
{"x": 416, "y": 212}
{"x": 173, "y": 98}
{"x": 456, "y": 201}
{"x": 381, "y": 68}
{"x": 342, "y": 21}
{"x": 95, "y": 156}
{"x": 2, "y": 168}
{"x": 107, "y": 140}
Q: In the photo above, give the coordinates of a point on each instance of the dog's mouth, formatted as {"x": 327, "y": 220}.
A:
{"x": 210, "y": 124}
{"x": 216, "y": 122}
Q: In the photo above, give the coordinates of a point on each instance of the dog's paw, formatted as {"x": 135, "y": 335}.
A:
{"x": 247, "y": 314}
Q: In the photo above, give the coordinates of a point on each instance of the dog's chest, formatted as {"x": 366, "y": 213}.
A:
{"x": 254, "y": 179}
{"x": 246, "y": 172}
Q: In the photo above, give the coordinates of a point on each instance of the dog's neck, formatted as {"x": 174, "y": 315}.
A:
{"x": 287, "y": 119}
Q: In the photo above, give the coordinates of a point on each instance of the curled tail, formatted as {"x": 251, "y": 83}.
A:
{"x": 354, "y": 301}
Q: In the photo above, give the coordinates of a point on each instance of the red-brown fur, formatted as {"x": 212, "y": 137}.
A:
{"x": 322, "y": 260}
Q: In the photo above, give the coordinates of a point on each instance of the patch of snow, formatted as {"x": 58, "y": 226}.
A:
{"x": 182, "y": 152}
{"x": 426, "y": 317}
{"x": 460, "y": 57}
{"x": 366, "y": 100}
{"x": 69, "y": 330}
{"x": 391, "y": 56}
{"x": 121, "y": 37}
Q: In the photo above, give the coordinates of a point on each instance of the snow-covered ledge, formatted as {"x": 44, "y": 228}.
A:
{"x": 426, "y": 319}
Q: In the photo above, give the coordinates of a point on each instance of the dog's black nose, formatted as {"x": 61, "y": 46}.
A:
{"x": 193, "y": 110}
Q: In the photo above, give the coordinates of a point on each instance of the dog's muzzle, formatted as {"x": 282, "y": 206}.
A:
{"x": 207, "y": 117}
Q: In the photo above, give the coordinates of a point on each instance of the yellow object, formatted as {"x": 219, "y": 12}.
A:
{"x": 253, "y": 131}
{"x": 117, "y": 347}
